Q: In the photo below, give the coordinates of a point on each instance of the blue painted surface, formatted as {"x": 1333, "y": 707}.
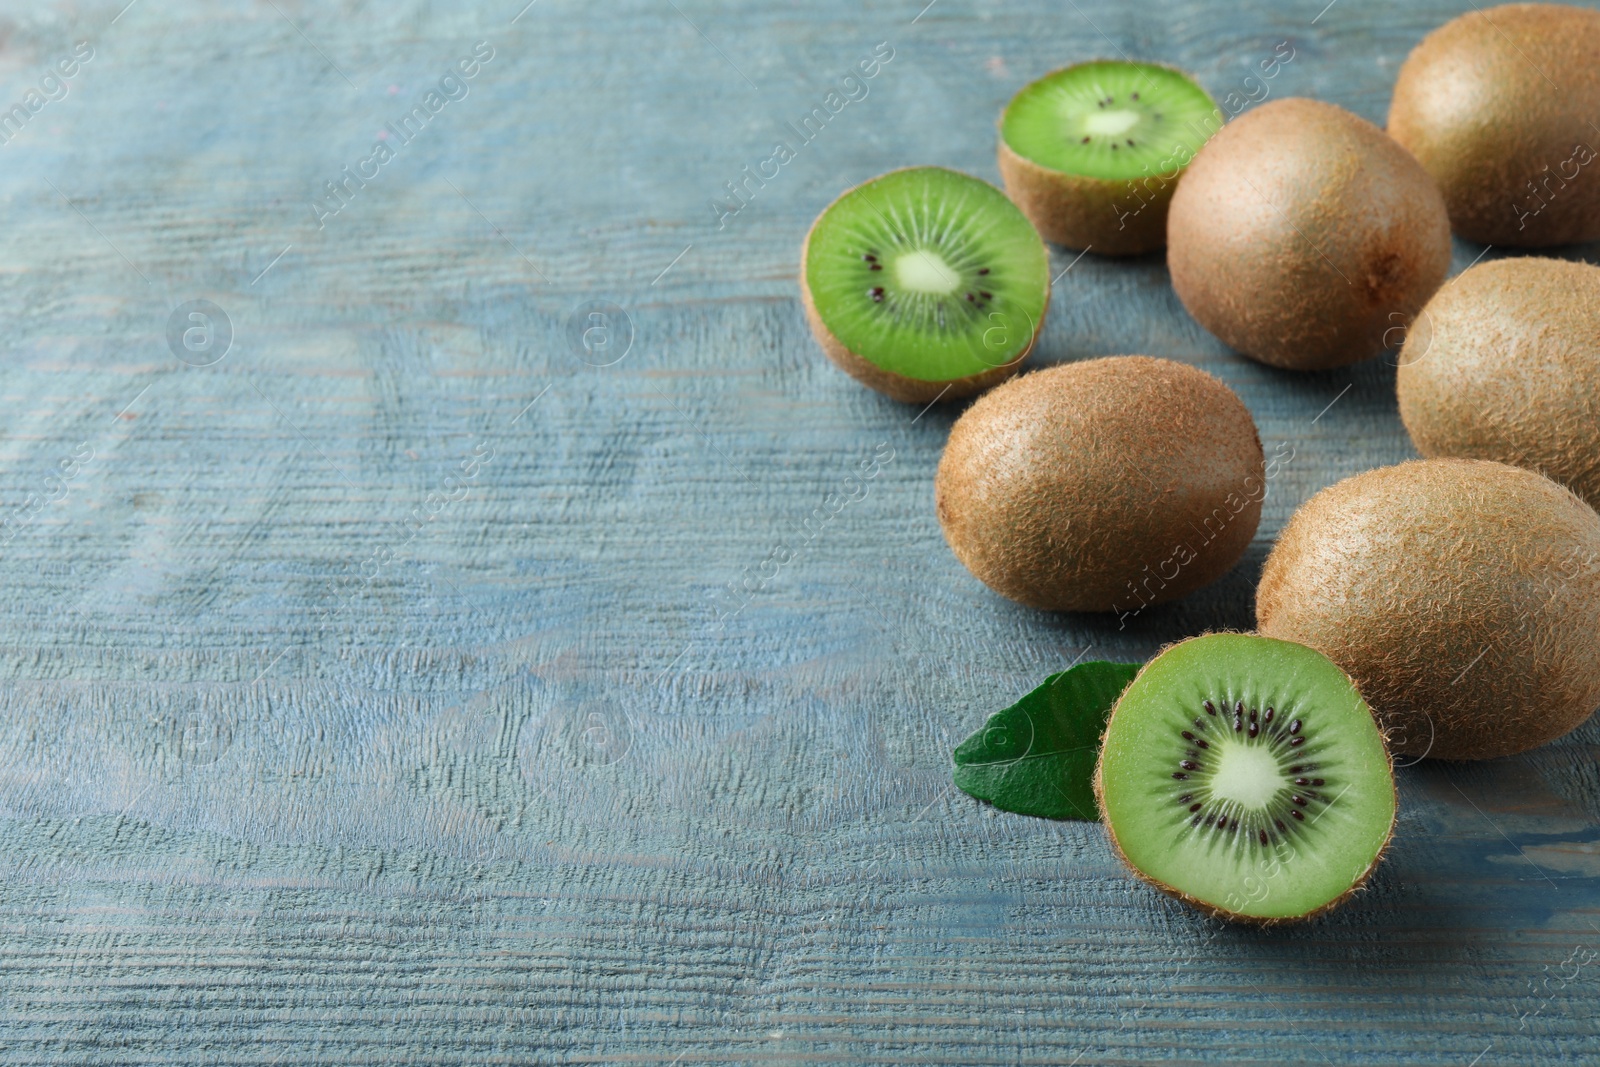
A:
{"x": 322, "y": 747}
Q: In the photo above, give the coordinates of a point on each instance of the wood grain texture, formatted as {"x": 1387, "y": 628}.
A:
{"x": 309, "y": 756}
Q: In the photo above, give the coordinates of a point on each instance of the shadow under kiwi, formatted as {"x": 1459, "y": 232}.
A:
{"x": 1226, "y": 604}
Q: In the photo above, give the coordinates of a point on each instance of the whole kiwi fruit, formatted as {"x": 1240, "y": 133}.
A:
{"x": 1504, "y": 364}
{"x": 1301, "y": 235}
{"x": 1462, "y": 595}
{"x": 1104, "y": 485}
{"x": 1500, "y": 106}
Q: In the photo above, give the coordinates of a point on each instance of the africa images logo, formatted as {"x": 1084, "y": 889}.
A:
{"x": 453, "y": 85}
{"x": 54, "y": 86}
{"x": 852, "y": 87}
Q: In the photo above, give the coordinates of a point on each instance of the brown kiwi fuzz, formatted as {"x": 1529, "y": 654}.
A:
{"x": 1504, "y": 364}
{"x": 1104, "y": 485}
{"x": 1304, "y": 237}
{"x": 1500, "y": 106}
{"x": 1087, "y": 213}
{"x": 1463, "y": 596}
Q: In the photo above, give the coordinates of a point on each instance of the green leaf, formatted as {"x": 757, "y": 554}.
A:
{"x": 1037, "y": 756}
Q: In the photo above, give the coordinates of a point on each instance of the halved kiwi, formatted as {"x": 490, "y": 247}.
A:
{"x": 1247, "y": 777}
{"x": 1092, "y": 152}
{"x": 925, "y": 283}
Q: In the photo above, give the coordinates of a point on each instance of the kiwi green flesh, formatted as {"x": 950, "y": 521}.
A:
{"x": 1247, "y": 775}
{"x": 928, "y": 274}
{"x": 1110, "y": 119}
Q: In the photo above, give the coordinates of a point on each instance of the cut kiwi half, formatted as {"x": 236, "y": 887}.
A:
{"x": 925, "y": 283}
{"x": 1247, "y": 777}
{"x": 1092, "y": 152}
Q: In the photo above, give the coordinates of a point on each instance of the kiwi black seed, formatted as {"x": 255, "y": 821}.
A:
{"x": 1247, "y": 777}
{"x": 1504, "y": 364}
{"x": 1500, "y": 106}
{"x": 1462, "y": 595}
{"x": 1092, "y": 152}
{"x": 1105, "y": 485}
{"x": 925, "y": 283}
{"x": 1304, "y": 237}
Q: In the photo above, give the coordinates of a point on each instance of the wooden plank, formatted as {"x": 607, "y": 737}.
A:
{"x": 318, "y": 748}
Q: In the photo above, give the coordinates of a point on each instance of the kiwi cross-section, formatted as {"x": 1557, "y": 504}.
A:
{"x": 1092, "y": 152}
{"x": 925, "y": 283}
{"x": 1247, "y": 777}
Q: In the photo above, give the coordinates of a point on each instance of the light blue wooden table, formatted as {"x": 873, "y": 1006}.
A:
{"x": 384, "y": 681}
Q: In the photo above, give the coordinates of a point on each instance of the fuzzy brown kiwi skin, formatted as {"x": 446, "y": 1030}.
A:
{"x": 1110, "y": 216}
{"x": 1463, "y": 596}
{"x": 1500, "y": 98}
{"x": 1217, "y": 911}
{"x": 898, "y": 386}
{"x": 1055, "y": 525}
{"x": 1304, "y": 237}
{"x": 1077, "y": 211}
{"x": 1504, "y": 364}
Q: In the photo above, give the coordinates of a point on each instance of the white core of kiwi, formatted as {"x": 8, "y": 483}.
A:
{"x": 925, "y": 271}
